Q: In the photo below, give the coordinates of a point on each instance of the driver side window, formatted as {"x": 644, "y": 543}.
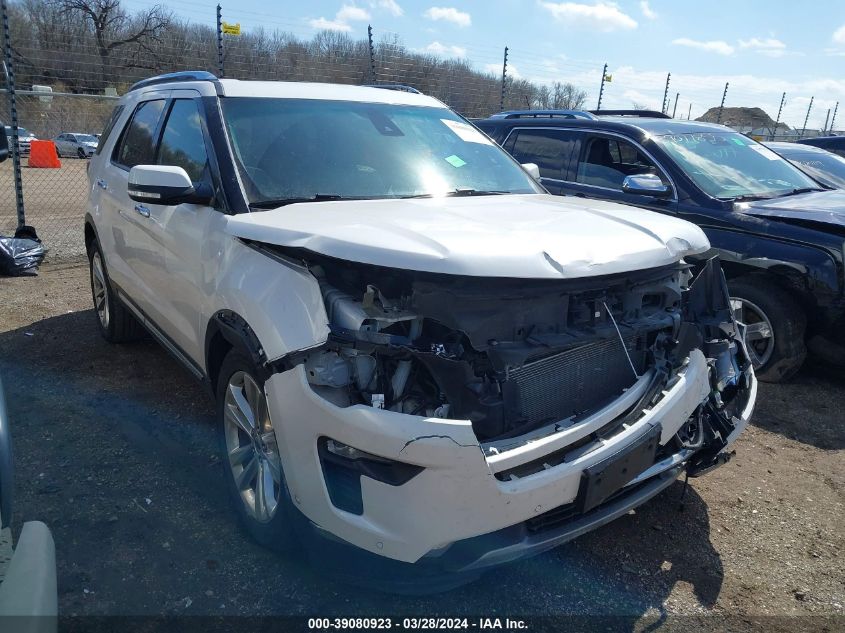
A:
{"x": 182, "y": 143}
{"x": 606, "y": 161}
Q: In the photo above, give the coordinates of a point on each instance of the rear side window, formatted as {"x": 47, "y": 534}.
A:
{"x": 549, "y": 149}
{"x": 137, "y": 147}
{"x": 115, "y": 115}
{"x": 182, "y": 143}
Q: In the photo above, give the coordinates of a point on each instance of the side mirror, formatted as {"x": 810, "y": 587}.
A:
{"x": 646, "y": 185}
{"x": 532, "y": 170}
{"x": 164, "y": 184}
{"x": 4, "y": 147}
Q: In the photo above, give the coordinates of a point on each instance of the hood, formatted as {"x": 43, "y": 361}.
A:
{"x": 518, "y": 236}
{"x": 827, "y": 207}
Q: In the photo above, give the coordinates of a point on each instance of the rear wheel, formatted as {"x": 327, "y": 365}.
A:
{"x": 251, "y": 460}
{"x": 117, "y": 324}
{"x": 774, "y": 327}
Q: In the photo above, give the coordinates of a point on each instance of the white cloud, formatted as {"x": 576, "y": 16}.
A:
{"x": 444, "y": 50}
{"x": 712, "y": 46}
{"x": 769, "y": 46}
{"x": 601, "y": 16}
{"x": 322, "y": 24}
{"x": 351, "y": 13}
{"x": 839, "y": 35}
{"x": 647, "y": 10}
{"x": 449, "y": 14}
{"x": 346, "y": 14}
{"x": 391, "y": 6}
{"x": 496, "y": 69}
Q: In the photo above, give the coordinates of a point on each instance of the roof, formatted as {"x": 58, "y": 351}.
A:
{"x": 624, "y": 124}
{"x": 327, "y": 92}
{"x": 795, "y": 148}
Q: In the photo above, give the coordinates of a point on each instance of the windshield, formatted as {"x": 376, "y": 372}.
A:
{"x": 22, "y": 131}
{"x": 825, "y": 167}
{"x": 730, "y": 165}
{"x": 86, "y": 138}
{"x": 291, "y": 149}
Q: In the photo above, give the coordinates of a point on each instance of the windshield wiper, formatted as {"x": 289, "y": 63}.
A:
{"x": 795, "y": 192}
{"x": 459, "y": 193}
{"x": 746, "y": 197}
{"x": 281, "y": 202}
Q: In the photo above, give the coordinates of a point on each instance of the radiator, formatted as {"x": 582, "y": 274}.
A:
{"x": 576, "y": 381}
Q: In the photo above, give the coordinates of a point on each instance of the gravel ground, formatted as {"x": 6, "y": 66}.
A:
{"x": 54, "y": 200}
{"x": 115, "y": 451}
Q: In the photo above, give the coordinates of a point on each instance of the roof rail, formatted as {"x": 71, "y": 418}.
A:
{"x": 523, "y": 114}
{"x": 399, "y": 87}
{"x": 651, "y": 114}
{"x": 186, "y": 75}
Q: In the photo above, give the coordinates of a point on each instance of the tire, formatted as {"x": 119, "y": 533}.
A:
{"x": 249, "y": 448}
{"x": 778, "y": 357}
{"x": 80, "y": 153}
{"x": 116, "y": 323}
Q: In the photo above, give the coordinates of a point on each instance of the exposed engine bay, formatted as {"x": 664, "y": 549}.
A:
{"x": 515, "y": 355}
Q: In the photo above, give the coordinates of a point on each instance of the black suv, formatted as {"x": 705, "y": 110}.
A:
{"x": 835, "y": 144}
{"x": 780, "y": 234}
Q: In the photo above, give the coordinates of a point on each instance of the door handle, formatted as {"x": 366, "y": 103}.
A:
{"x": 144, "y": 211}
{"x": 102, "y": 183}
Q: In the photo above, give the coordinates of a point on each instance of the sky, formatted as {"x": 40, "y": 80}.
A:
{"x": 761, "y": 48}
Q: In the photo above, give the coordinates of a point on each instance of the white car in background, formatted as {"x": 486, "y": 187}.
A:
{"x": 74, "y": 144}
{"x": 415, "y": 349}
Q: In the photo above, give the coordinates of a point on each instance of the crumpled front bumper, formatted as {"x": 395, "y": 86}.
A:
{"x": 457, "y": 496}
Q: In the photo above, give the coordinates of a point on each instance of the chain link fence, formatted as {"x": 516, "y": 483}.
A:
{"x": 54, "y": 198}
{"x": 69, "y": 73}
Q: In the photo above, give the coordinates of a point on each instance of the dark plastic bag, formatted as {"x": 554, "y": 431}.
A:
{"x": 21, "y": 254}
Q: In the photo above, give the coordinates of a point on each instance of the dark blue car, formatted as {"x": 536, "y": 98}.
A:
{"x": 780, "y": 233}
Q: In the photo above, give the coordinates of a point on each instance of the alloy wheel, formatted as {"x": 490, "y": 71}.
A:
{"x": 252, "y": 451}
{"x": 100, "y": 290}
{"x": 759, "y": 333}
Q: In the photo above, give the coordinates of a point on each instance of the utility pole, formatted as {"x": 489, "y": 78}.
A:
{"x": 722, "y": 105}
{"x": 372, "y": 54}
{"x": 675, "y": 109}
{"x": 777, "y": 121}
{"x": 220, "y": 70}
{"x": 666, "y": 93}
{"x": 807, "y": 118}
{"x": 504, "y": 81}
{"x": 833, "y": 120}
{"x": 601, "y": 88}
{"x": 9, "y": 69}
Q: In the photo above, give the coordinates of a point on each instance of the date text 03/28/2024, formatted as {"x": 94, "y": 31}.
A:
{"x": 436, "y": 624}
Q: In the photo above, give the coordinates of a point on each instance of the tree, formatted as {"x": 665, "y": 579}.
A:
{"x": 567, "y": 97}
{"x": 114, "y": 29}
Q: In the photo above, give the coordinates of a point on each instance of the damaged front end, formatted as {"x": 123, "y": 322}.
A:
{"x": 575, "y": 392}
{"x": 513, "y": 356}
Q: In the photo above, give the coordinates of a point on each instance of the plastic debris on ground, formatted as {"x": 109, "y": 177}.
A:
{"x": 21, "y": 254}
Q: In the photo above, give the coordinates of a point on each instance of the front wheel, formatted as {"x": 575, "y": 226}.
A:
{"x": 251, "y": 460}
{"x": 774, "y": 327}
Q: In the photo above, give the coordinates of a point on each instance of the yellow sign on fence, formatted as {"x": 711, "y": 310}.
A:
{"x": 231, "y": 29}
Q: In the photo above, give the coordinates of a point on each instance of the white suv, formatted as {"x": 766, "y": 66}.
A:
{"x": 414, "y": 348}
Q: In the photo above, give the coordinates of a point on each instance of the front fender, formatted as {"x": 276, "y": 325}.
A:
{"x": 810, "y": 271}
{"x": 279, "y": 300}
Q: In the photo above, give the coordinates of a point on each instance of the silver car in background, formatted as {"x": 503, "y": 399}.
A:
{"x": 76, "y": 145}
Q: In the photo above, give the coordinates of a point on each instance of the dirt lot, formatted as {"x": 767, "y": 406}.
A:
{"x": 54, "y": 200}
{"x": 115, "y": 451}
